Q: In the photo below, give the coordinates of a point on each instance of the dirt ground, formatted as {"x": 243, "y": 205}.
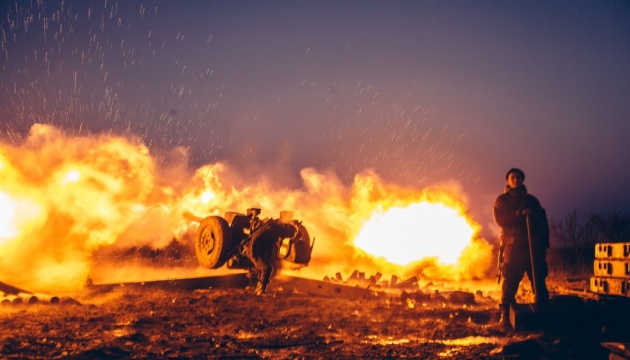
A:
{"x": 233, "y": 323}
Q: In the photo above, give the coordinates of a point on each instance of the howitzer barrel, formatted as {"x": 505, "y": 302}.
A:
{"x": 192, "y": 217}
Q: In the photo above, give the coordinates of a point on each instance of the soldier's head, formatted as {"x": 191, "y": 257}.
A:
{"x": 515, "y": 178}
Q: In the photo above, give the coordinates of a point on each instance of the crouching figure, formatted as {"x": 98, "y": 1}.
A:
{"x": 264, "y": 250}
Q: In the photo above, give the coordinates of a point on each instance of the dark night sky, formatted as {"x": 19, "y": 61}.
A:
{"x": 419, "y": 91}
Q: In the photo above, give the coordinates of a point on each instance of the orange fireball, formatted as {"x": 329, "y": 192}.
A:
{"x": 91, "y": 192}
{"x": 420, "y": 230}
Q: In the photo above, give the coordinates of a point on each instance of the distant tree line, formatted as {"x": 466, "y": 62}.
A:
{"x": 573, "y": 240}
{"x": 597, "y": 228}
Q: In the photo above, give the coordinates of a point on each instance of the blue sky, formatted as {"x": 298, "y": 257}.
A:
{"x": 419, "y": 91}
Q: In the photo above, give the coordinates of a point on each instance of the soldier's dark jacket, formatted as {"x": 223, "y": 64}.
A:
{"x": 508, "y": 209}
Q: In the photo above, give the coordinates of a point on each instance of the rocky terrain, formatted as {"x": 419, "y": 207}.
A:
{"x": 289, "y": 322}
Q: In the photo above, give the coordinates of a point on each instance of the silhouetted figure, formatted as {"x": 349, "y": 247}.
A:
{"x": 264, "y": 250}
{"x": 514, "y": 210}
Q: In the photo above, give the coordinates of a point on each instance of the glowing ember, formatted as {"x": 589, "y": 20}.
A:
{"x": 420, "y": 230}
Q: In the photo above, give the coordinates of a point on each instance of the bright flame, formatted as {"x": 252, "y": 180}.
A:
{"x": 207, "y": 196}
{"x": 104, "y": 192}
{"x": 73, "y": 176}
{"x": 420, "y": 230}
{"x": 7, "y": 217}
{"x": 17, "y": 216}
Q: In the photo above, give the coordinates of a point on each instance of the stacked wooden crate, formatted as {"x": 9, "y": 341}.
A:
{"x": 611, "y": 269}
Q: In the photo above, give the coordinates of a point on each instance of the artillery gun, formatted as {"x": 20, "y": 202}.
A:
{"x": 220, "y": 240}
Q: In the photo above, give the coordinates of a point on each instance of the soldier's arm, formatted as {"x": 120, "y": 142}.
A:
{"x": 503, "y": 216}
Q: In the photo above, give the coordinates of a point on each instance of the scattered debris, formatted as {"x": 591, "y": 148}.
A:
{"x": 409, "y": 289}
{"x": 11, "y": 295}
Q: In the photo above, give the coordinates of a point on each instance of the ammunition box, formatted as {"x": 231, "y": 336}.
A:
{"x": 612, "y": 251}
{"x": 611, "y": 268}
{"x": 610, "y": 286}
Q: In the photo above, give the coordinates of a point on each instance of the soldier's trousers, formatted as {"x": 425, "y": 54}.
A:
{"x": 516, "y": 263}
{"x": 265, "y": 267}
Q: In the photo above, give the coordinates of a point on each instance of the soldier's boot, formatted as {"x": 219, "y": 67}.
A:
{"x": 261, "y": 288}
{"x": 542, "y": 296}
{"x": 504, "y": 320}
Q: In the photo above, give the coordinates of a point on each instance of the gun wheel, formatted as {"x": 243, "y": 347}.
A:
{"x": 213, "y": 242}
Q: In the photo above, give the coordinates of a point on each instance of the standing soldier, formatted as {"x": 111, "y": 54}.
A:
{"x": 524, "y": 241}
{"x": 264, "y": 249}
